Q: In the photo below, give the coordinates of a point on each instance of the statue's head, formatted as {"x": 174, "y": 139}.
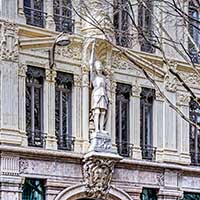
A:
{"x": 98, "y": 66}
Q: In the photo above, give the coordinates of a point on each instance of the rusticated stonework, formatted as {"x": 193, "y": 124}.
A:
{"x": 9, "y": 42}
{"x": 97, "y": 174}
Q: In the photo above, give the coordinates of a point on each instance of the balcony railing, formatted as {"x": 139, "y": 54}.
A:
{"x": 35, "y": 17}
{"x": 36, "y": 138}
{"x": 195, "y": 158}
{"x": 64, "y": 24}
{"x": 66, "y": 142}
{"x": 124, "y": 39}
{"x": 124, "y": 149}
{"x": 148, "y": 152}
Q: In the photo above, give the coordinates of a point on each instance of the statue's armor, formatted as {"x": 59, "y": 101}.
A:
{"x": 99, "y": 94}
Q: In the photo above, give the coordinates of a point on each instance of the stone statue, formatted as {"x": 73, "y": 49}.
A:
{"x": 99, "y": 97}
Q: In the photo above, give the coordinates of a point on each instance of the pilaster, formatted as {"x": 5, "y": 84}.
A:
{"x": 50, "y": 24}
{"x": 49, "y": 109}
{"x": 76, "y": 112}
{"x": 135, "y": 193}
{"x": 135, "y": 121}
{"x": 22, "y": 102}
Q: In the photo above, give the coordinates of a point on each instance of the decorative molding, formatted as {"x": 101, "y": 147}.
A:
{"x": 136, "y": 90}
{"x": 160, "y": 179}
{"x": 9, "y": 42}
{"x": 50, "y": 75}
{"x": 23, "y": 165}
{"x": 77, "y": 80}
{"x": 159, "y": 97}
{"x": 190, "y": 78}
{"x": 183, "y": 99}
{"x": 10, "y": 165}
{"x": 97, "y": 174}
{"x": 171, "y": 83}
{"x": 22, "y": 69}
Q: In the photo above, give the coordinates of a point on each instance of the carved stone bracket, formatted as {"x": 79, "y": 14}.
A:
{"x": 9, "y": 42}
{"x": 97, "y": 175}
{"x": 170, "y": 83}
{"x": 136, "y": 90}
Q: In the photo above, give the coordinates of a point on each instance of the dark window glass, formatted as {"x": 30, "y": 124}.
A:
{"x": 191, "y": 196}
{"x": 149, "y": 194}
{"x": 146, "y": 123}
{"x": 34, "y": 106}
{"x": 63, "y": 15}
{"x": 63, "y": 111}
{"x": 122, "y": 119}
{"x": 121, "y": 23}
{"x": 194, "y": 30}
{"x": 34, "y": 13}
{"x": 145, "y": 25}
{"x": 194, "y": 133}
{"x": 33, "y": 189}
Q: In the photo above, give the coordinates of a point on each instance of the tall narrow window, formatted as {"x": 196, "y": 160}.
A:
{"x": 121, "y": 23}
{"x": 194, "y": 30}
{"x": 146, "y": 123}
{"x": 34, "y": 12}
{"x": 149, "y": 194}
{"x": 145, "y": 25}
{"x": 122, "y": 119}
{"x": 33, "y": 189}
{"x": 63, "y": 112}
{"x": 63, "y": 15}
{"x": 34, "y": 106}
{"x": 194, "y": 133}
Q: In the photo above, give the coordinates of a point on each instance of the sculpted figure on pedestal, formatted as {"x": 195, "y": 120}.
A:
{"x": 99, "y": 97}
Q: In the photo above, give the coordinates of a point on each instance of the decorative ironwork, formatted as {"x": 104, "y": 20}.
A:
{"x": 33, "y": 189}
{"x": 63, "y": 111}
{"x": 148, "y": 152}
{"x": 63, "y": 16}
{"x": 146, "y": 122}
{"x": 34, "y": 106}
{"x": 145, "y": 26}
{"x": 124, "y": 149}
{"x": 123, "y": 92}
{"x": 194, "y": 133}
{"x": 34, "y": 13}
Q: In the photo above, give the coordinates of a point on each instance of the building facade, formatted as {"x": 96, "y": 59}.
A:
{"x": 45, "y": 115}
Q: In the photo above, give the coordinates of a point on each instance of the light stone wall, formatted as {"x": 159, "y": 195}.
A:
{"x": 63, "y": 169}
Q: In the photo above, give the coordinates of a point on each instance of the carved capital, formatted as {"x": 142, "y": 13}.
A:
{"x": 85, "y": 80}
{"x": 9, "y": 43}
{"x": 136, "y": 90}
{"x": 85, "y": 69}
{"x": 113, "y": 87}
{"x": 22, "y": 70}
{"x": 50, "y": 75}
{"x": 171, "y": 83}
{"x": 159, "y": 96}
{"x": 183, "y": 99}
{"x": 77, "y": 80}
{"x": 97, "y": 174}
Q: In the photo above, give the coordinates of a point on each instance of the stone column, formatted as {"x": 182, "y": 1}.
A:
{"x": 183, "y": 129}
{"x": 50, "y": 24}
{"x": 76, "y": 112}
{"x": 113, "y": 112}
{"x": 49, "y": 109}
{"x": 135, "y": 121}
{"x": 170, "y": 144}
{"x": 22, "y": 102}
{"x": 85, "y": 108}
{"x": 158, "y": 125}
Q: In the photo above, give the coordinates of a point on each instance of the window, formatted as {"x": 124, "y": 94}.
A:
{"x": 149, "y": 194}
{"x": 191, "y": 196}
{"x": 33, "y": 189}
{"x": 121, "y": 23}
{"x": 34, "y": 106}
{"x": 194, "y": 133}
{"x": 34, "y": 13}
{"x": 194, "y": 29}
{"x": 145, "y": 25}
{"x": 63, "y": 15}
{"x": 63, "y": 111}
{"x": 122, "y": 119}
{"x": 146, "y": 123}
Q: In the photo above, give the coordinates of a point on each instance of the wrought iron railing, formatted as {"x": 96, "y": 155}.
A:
{"x": 36, "y": 138}
{"x": 195, "y": 158}
{"x": 35, "y": 17}
{"x": 148, "y": 152}
{"x": 66, "y": 142}
{"x": 124, "y": 38}
{"x": 124, "y": 149}
{"x": 64, "y": 24}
